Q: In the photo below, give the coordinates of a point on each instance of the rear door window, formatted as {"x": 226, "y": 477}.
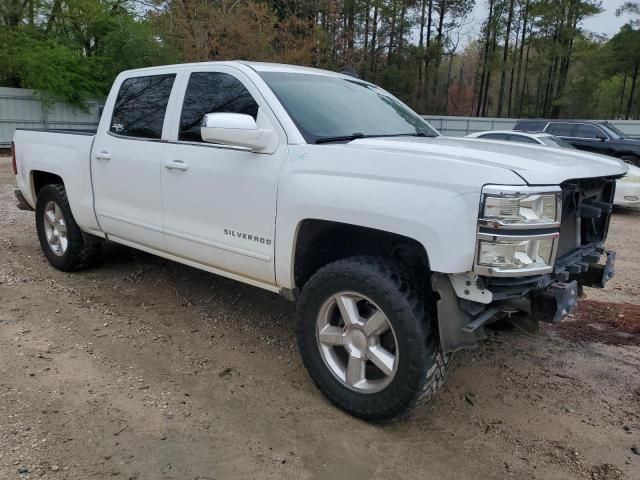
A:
{"x": 141, "y": 106}
{"x": 212, "y": 92}
{"x": 561, "y": 129}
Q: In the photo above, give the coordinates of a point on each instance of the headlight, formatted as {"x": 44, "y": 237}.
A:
{"x": 630, "y": 179}
{"x": 504, "y": 255}
{"x": 510, "y": 207}
{"x": 518, "y": 230}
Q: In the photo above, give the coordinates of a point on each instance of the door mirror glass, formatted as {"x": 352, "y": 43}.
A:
{"x": 235, "y": 129}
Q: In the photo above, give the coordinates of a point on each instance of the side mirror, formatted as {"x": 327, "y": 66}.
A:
{"x": 602, "y": 138}
{"x": 237, "y": 129}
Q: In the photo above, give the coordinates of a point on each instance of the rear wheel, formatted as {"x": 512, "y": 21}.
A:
{"x": 367, "y": 338}
{"x": 60, "y": 237}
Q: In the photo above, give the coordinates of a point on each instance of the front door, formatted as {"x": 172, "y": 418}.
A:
{"x": 220, "y": 201}
{"x": 126, "y": 163}
{"x": 591, "y": 138}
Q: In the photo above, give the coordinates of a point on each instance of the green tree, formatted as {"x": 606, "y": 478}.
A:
{"x": 625, "y": 47}
{"x": 72, "y": 49}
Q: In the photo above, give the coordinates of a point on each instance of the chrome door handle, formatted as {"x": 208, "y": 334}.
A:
{"x": 175, "y": 165}
{"x": 103, "y": 156}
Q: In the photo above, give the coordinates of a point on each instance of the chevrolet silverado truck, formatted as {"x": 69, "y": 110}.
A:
{"x": 400, "y": 246}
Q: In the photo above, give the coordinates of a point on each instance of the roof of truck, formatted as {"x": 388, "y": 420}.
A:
{"x": 283, "y": 67}
{"x": 256, "y": 66}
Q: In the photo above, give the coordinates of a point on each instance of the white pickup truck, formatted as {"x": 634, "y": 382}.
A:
{"x": 400, "y": 246}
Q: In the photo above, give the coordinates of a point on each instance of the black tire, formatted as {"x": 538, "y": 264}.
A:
{"x": 421, "y": 367}
{"x": 631, "y": 160}
{"x": 78, "y": 253}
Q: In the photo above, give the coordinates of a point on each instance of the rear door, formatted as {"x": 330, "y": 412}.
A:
{"x": 126, "y": 161}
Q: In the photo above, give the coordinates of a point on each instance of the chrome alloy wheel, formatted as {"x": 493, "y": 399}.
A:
{"x": 55, "y": 228}
{"x": 357, "y": 342}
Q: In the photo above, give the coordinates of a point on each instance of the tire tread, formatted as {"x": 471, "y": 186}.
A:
{"x": 432, "y": 366}
{"x": 79, "y": 254}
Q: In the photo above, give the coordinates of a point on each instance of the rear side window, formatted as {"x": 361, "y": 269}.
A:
{"x": 522, "y": 139}
{"x": 493, "y": 136}
{"x": 561, "y": 129}
{"x": 141, "y": 105}
{"x": 588, "y": 131}
{"x": 212, "y": 92}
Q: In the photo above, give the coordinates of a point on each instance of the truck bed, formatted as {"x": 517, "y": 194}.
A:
{"x": 64, "y": 153}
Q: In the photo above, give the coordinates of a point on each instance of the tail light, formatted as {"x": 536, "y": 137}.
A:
{"x": 13, "y": 158}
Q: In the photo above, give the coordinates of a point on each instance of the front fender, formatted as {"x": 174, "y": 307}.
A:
{"x": 439, "y": 214}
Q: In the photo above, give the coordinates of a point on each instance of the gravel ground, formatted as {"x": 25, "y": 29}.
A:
{"x": 141, "y": 368}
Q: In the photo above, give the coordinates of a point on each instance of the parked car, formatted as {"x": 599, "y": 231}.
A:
{"x": 597, "y": 137}
{"x": 398, "y": 245}
{"x": 627, "y": 188}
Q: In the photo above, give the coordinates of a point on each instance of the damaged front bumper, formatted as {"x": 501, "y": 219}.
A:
{"x": 467, "y": 302}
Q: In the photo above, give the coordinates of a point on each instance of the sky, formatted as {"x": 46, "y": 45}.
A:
{"x": 607, "y": 22}
{"x": 604, "y": 23}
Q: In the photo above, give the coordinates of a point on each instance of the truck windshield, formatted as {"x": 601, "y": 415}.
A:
{"x": 326, "y": 108}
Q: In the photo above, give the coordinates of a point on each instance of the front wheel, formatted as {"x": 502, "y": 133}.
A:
{"x": 60, "y": 237}
{"x": 367, "y": 337}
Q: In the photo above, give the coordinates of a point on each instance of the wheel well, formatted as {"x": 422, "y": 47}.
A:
{"x": 321, "y": 242}
{"x": 41, "y": 179}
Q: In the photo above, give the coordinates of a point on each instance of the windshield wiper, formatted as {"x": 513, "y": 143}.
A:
{"x": 357, "y": 135}
{"x": 341, "y": 138}
{"x": 417, "y": 134}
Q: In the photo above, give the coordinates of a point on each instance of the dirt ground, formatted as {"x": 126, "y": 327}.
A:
{"x": 141, "y": 368}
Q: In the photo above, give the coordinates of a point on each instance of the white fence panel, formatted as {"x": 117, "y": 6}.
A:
{"x": 22, "y": 108}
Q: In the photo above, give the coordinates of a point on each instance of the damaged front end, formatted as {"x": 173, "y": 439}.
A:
{"x": 536, "y": 249}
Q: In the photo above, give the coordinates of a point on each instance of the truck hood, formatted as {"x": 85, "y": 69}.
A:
{"x": 536, "y": 165}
